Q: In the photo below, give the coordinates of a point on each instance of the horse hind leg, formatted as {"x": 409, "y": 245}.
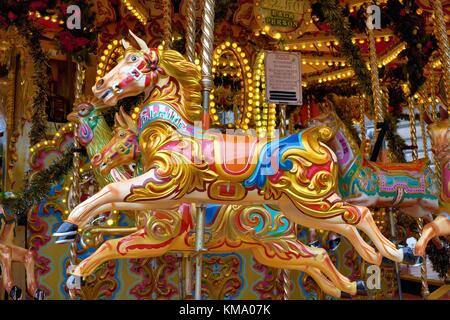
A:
{"x": 368, "y": 226}
{"x": 324, "y": 283}
{"x": 348, "y": 231}
{"x": 319, "y": 260}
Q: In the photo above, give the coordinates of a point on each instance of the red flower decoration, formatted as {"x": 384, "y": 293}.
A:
{"x": 37, "y": 5}
{"x": 12, "y": 16}
{"x": 403, "y": 12}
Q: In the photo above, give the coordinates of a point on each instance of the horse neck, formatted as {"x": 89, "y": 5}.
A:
{"x": 441, "y": 146}
{"x": 345, "y": 145}
{"x": 102, "y": 135}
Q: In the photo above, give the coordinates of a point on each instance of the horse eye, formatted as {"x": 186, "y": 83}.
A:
{"x": 133, "y": 58}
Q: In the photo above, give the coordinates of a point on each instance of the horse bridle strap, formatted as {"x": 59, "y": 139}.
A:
{"x": 149, "y": 64}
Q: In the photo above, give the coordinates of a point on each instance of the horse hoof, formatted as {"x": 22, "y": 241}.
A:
{"x": 345, "y": 295}
{"x": 73, "y": 282}
{"x": 65, "y": 239}
{"x": 361, "y": 289}
{"x": 66, "y": 229}
{"x": 409, "y": 258}
{"x": 15, "y": 293}
{"x": 315, "y": 244}
{"x": 39, "y": 294}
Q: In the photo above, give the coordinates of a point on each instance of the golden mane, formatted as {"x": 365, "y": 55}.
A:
{"x": 187, "y": 74}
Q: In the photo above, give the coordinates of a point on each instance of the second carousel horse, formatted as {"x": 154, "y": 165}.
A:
{"x": 406, "y": 186}
{"x": 10, "y": 253}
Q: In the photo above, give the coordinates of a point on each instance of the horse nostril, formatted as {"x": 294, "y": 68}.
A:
{"x": 99, "y": 83}
{"x": 96, "y": 159}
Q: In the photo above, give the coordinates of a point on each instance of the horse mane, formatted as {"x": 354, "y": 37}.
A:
{"x": 347, "y": 128}
{"x": 188, "y": 76}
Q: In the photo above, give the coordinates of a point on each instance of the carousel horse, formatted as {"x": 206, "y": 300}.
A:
{"x": 409, "y": 187}
{"x": 10, "y": 253}
{"x": 262, "y": 229}
{"x": 93, "y": 133}
{"x": 439, "y": 132}
{"x": 183, "y": 163}
{"x": 274, "y": 230}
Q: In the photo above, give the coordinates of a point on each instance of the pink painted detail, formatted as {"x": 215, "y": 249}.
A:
{"x": 344, "y": 153}
{"x": 85, "y": 134}
{"x": 446, "y": 179}
{"x": 403, "y": 185}
{"x": 316, "y": 168}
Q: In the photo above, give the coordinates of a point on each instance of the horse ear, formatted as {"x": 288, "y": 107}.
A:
{"x": 125, "y": 44}
{"x": 140, "y": 42}
{"x": 128, "y": 121}
{"x": 117, "y": 122}
{"x": 427, "y": 118}
{"x": 443, "y": 113}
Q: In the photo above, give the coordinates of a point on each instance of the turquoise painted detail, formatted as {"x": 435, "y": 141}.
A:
{"x": 265, "y": 167}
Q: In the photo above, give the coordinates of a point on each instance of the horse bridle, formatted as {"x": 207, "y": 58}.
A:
{"x": 146, "y": 69}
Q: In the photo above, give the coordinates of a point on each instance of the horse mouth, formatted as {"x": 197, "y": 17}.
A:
{"x": 107, "y": 95}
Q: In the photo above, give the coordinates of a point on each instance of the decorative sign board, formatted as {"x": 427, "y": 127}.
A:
{"x": 282, "y": 19}
{"x": 283, "y": 77}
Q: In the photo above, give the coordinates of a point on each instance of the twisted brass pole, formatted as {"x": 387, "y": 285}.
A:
{"x": 412, "y": 125}
{"x": 285, "y": 273}
{"x": 444, "y": 49}
{"x": 190, "y": 53}
{"x": 422, "y": 131}
{"x": 433, "y": 97}
{"x": 376, "y": 89}
{"x": 190, "y": 34}
{"x": 207, "y": 85}
{"x": 167, "y": 24}
{"x": 76, "y": 192}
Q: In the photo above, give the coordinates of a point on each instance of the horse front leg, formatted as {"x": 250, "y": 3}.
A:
{"x": 8, "y": 282}
{"x": 112, "y": 193}
{"x": 27, "y": 257}
{"x": 439, "y": 227}
{"x": 134, "y": 246}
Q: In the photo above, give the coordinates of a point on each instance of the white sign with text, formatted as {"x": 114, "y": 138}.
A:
{"x": 283, "y": 78}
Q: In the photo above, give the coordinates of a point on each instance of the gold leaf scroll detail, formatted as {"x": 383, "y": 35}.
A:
{"x": 310, "y": 195}
{"x": 236, "y": 226}
{"x": 180, "y": 175}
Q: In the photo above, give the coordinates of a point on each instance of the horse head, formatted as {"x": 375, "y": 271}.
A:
{"x": 86, "y": 115}
{"x": 162, "y": 75}
{"x": 439, "y": 132}
{"x": 136, "y": 71}
{"x": 122, "y": 149}
{"x": 327, "y": 117}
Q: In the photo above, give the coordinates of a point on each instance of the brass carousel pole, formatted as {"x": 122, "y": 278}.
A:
{"x": 444, "y": 49}
{"x": 167, "y": 25}
{"x": 285, "y": 273}
{"x": 434, "y": 109}
{"x": 379, "y": 118}
{"x": 190, "y": 34}
{"x": 207, "y": 85}
{"x": 76, "y": 194}
{"x": 376, "y": 89}
{"x": 412, "y": 125}
{"x": 190, "y": 53}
